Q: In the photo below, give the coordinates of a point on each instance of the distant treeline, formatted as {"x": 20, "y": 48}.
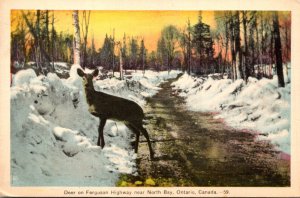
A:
{"x": 241, "y": 42}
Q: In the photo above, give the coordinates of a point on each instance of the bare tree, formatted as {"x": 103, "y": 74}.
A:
{"x": 19, "y": 41}
{"x": 76, "y": 37}
{"x": 185, "y": 45}
{"x": 40, "y": 52}
{"x": 287, "y": 40}
{"x": 170, "y": 34}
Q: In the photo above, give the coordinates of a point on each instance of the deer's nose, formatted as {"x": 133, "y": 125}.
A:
{"x": 35, "y": 101}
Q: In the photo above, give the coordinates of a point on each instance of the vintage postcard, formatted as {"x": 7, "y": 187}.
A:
{"x": 140, "y": 99}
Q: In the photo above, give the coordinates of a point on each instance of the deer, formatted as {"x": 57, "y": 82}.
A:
{"x": 105, "y": 106}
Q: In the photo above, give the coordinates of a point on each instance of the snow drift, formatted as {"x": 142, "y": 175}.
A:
{"x": 259, "y": 105}
{"x": 53, "y": 136}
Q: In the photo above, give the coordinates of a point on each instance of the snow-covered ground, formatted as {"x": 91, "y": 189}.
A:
{"x": 260, "y": 105}
{"x": 53, "y": 136}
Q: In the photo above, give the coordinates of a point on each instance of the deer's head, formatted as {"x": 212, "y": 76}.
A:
{"x": 87, "y": 78}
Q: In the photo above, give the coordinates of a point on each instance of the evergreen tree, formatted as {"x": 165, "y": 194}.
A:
{"x": 203, "y": 43}
{"x": 91, "y": 55}
{"x": 106, "y": 54}
{"x": 125, "y": 53}
{"x": 133, "y": 53}
{"x": 152, "y": 61}
{"x": 162, "y": 54}
{"x": 142, "y": 55}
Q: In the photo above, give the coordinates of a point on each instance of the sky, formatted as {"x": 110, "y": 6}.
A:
{"x": 141, "y": 24}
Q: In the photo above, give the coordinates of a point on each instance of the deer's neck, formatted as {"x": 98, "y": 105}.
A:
{"x": 89, "y": 93}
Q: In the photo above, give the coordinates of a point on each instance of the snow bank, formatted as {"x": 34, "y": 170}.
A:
{"x": 259, "y": 105}
{"x": 53, "y": 136}
{"x": 24, "y": 77}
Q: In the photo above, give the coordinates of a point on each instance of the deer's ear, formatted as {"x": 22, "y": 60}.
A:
{"x": 80, "y": 72}
{"x": 95, "y": 73}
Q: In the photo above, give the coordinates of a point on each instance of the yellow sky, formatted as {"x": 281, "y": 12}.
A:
{"x": 146, "y": 24}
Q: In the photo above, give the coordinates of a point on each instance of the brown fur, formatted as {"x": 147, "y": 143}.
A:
{"x": 106, "y": 106}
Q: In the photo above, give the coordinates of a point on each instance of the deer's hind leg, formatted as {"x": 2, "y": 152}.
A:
{"x": 137, "y": 133}
{"x": 140, "y": 128}
{"x": 100, "y": 131}
{"x": 145, "y": 133}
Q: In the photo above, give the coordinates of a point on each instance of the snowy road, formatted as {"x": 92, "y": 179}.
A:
{"x": 193, "y": 149}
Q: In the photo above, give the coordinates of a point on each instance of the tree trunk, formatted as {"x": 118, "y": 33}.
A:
{"x": 252, "y": 44}
{"x": 52, "y": 40}
{"x": 272, "y": 52}
{"x": 37, "y": 42}
{"x": 258, "y": 51}
{"x": 246, "y": 61}
{"x": 238, "y": 46}
{"x": 237, "y": 65}
{"x": 143, "y": 62}
{"x": 121, "y": 64}
{"x": 76, "y": 38}
{"x": 86, "y": 20}
{"x": 260, "y": 48}
{"x": 233, "y": 58}
{"x": 24, "y": 45}
{"x": 278, "y": 52}
{"x": 287, "y": 52}
{"x": 232, "y": 46}
{"x": 189, "y": 47}
{"x": 226, "y": 43}
{"x": 47, "y": 37}
{"x": 113, "y": 53}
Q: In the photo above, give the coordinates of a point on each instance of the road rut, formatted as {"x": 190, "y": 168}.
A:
{"x": 194, "y": 149}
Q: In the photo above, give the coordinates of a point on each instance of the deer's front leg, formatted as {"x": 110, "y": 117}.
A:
{"x": 100, "y": 130}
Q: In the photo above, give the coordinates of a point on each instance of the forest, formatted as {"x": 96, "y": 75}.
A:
{"x": 243, "y": 44}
